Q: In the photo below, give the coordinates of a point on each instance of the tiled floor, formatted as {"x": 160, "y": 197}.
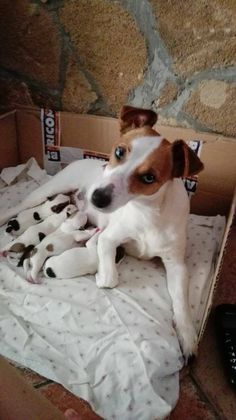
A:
{"x": 205, "y": 394}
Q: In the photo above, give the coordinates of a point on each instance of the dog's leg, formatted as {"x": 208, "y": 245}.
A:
{"x": 108, "y": 241}
{"x": 178, "y": 283}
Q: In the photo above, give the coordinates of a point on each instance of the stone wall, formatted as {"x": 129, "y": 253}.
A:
{"x": 91, "y": 56}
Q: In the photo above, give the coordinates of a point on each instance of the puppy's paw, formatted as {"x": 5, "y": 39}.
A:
{"x": 188, "y": 340}
{"x": 3, "y": 254}
{"x": 106, "y": 280}
{"x": 32, "y": 280}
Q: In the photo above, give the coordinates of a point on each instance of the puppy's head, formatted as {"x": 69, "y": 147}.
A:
{"x": 141, "y": 162}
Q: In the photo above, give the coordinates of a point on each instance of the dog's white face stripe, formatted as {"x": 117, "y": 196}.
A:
{"x": 118, "y": 176}
{"x": 142, "y": 147}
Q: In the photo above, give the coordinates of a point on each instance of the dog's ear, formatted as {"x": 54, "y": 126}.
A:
{"x": 185, "y": 160}
{"x": 131, "y": 118}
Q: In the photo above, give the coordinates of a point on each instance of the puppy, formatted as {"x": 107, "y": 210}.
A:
{"x": 78, "y": 176}
{"x": 32, "y": 216}
{"x": 72, "y": 263}
{"x": 78, "y": 261}
{"x": 76, "y": 220}
{"x": 36, "y": 233}
{"x": 53, "y": 244}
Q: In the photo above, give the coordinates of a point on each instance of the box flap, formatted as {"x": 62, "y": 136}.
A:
{"x": 219, "y": 263}
{"x": 8, "y": 140}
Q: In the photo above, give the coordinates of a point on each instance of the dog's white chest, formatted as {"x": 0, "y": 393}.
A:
{"x": 148, "y": 234}
{"x": 148, "y": 244}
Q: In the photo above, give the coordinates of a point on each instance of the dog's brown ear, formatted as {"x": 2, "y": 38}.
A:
{"x": 185, "y": 160}
{"x": 131, "y": 118}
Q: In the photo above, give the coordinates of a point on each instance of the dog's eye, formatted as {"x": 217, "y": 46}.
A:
{"x": 147, "y": 178}
{"x": 120, "y": 152}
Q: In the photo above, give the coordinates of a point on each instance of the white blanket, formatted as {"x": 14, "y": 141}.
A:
{"x": 115, "y": 348}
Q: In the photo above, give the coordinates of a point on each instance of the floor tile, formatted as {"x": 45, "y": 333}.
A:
{"x": 32, "y": 377}
{"x": 191, "y": 405}
{"x": 63, "y": 399}
{"x": 208, "y": 370}
{"x": 226, "y": 290}
{"x": 28, "y": 374}
{"x": 209, "y": 374}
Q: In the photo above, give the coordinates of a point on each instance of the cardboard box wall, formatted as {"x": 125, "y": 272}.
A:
{"x": 21, "y": 138}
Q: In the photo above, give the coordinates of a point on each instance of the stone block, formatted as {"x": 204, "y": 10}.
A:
{"x": 77, "y": 94}
{"x": 13, "y": 93}
{"x": 109, "y": 45}
{"x": 29, "y": 41}
{"x": 213, "y": 104}
{"x": 199, "y": 34}
{"x": 168, "y": 94}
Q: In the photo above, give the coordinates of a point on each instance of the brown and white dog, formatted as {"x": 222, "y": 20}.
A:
{"x": 140, "y": 202}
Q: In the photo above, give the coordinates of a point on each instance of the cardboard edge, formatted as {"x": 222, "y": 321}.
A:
{"x": 6, "y": 114}
{"x": 167, "y": 130}
{"x": 218, "y": 268}
{"x": 9, "y": 146}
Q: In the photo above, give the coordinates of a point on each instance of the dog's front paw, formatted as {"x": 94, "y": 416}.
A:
{"x": 188, "y": 340}
{"x": 106, "y": 280}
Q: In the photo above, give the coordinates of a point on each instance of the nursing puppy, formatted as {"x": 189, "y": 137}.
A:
{"x": 53, "y": 244}
{"x": 76, "y": 261}
{"x": 32, "y": 216}
{"x": 36, "y": 233}
{"x": 74, "y": 221}
{"x": 138, "y": 202}
{"x": 78, "y": 176}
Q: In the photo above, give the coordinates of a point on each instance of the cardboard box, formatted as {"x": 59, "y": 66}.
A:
{"x": 28, "y": 132}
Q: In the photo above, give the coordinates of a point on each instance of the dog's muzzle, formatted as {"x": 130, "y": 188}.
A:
{"x": 102, "y": 197}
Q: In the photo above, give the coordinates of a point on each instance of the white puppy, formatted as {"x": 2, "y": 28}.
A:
{"x": 53, "y": 244}
{"x": 76, "y": 261}
{"x": 74, "y": 221}
{"x": 36, "y": 233}
{"x": 32, "y": 216}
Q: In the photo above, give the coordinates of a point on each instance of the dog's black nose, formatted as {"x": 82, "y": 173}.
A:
{"x": 102, "y": 197}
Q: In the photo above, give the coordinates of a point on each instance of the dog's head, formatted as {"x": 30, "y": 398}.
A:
{"x": 141, "y": 162}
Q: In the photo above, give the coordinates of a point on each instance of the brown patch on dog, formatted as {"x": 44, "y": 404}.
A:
{"x": 126, "y": 143}
{"x": 185, "y": 160}
{"x": 159, "y": 164}
{"x": 17, "y": 247}
{"x": 50, "y": 247}
{"x": 59, "y": 207}
{"x": 26, "y": 254}
{"x": 131, "y": 118}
